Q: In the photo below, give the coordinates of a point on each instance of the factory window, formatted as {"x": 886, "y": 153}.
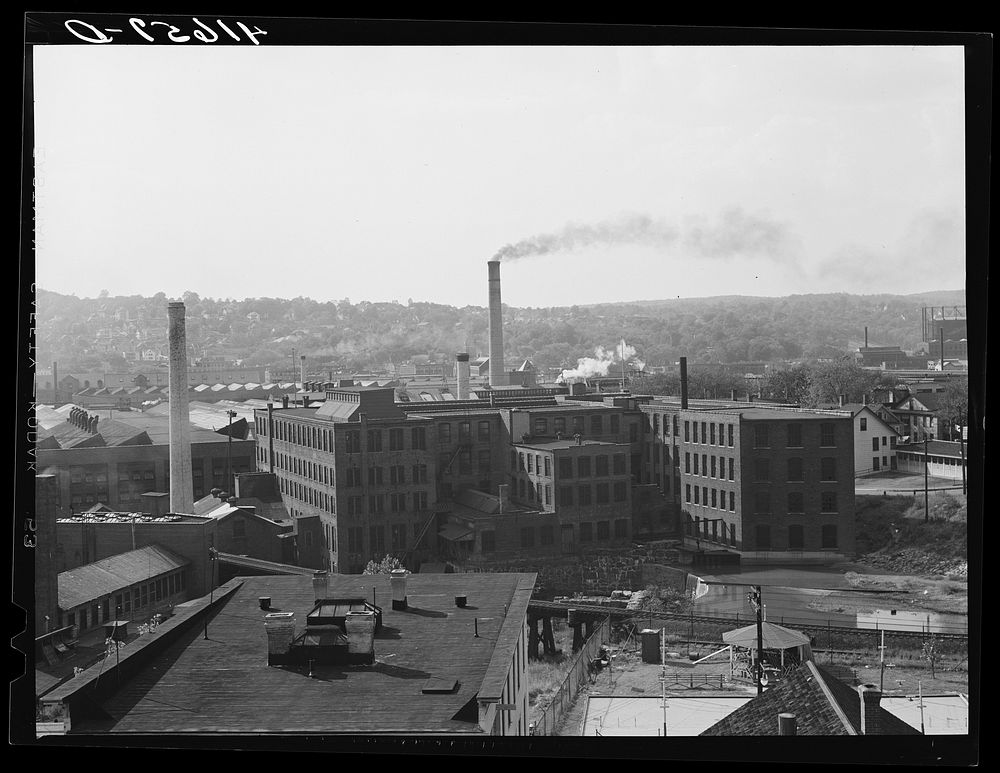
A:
{"x": 565, "y": 495}
{"x": 397, "y": 474}
{"x": 546, "y": 535}
{"x": 397, "y": 503}
{"x": 864, "y": 425}
{"x": 444, "y": 433}
{"x": 398, "y": 536}
{"x": 548, "y": 466}
{"x": 696, "y": 465}
{"x": 578, "y": 425}
{"x": 484, "y": 431}
{"x": 694, "y": 436}
{"x": 601, "y": 466}
{"x": 731, "y": 471}
{"x": 583, "y": 494}
{"x": 376, "y": 539}
{"x": 489, "y": 540}
{"x": 732, "y": 502}
{"x": 615, "y": 424}
{"x": 687, "y": 432}
{"x": 619, "y": 464}
{"x": 602, "y": 493}
{"x": 656, "y": 423}
{"x": 395, "y": 440}
{"x": 762, "y": 470}
{"x": 541, "y": 426}
{"x": 827, "y": 435}
{"x": 704, "y": 495}
{"x": 374, "y": 476}
{"x": 352, "y": 442}
{"x": 794, "y": 470}
{"x": 527, "y": 537}
{"x": 376, "y": 504}
{"x": 464, "y": 432}
{"x": 795, "y": 539}
{"x": 761, "y": 436}
{"x": 586, "y": 532}
{"x": 711, "y": 436}
{"x": 687, "y": 492}
{"x": 713, "y": 465}
{"x": 374, "y": 440}
{"x": 697, "y": 495}
{"x": 620, "y": 491}
{"x": 531, "y": 463}
{"x": 596, "y": 425}
{"x": 687, "y": 461}
{"x": 829, "y": 537}
{"x": 729, "y": 433}
{"x": 762, "y": 503}
{"x": 603, "y": 530}
{"x": 418, "y": 438}
{"x": 714, "y": 500}
{"x": 763, "y": 536}
{"x": 559, "y": 425}
{"x": 420, "y": 500}
{"x": 828, "y": 502}
{"x": 420, "y": 473}
{"x": 484, "y": 461}
{"x": 828, "y": 468}
{"x": 464, "y": 462}
{"x": 874, "y": 444}
{"x": 621, "y": 528}
{"x": 796, "y": 503}
{"x": 583, "y": 467}
{"x": 565, "y": 467}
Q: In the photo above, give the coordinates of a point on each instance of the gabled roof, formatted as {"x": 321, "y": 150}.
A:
{"x": 93, "y": 581}
{"x": 821, "y": 703}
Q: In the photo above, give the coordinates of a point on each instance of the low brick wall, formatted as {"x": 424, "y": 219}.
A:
{"x": 599, "y": 571}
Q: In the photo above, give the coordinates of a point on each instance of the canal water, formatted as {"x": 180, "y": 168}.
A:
{"x": 816, "y": 596}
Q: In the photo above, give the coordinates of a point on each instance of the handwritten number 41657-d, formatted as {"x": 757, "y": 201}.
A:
{"x": 90, "y": 34}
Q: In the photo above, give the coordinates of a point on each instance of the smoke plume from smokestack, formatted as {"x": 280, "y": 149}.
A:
{"x": 600, "y": 364}
{"x": 735, "y": 233}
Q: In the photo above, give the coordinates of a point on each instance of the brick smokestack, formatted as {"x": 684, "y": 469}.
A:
{"x": 302, "y": 370}
{"x": 684, "y": 383}
{"x": 871, "y": 697}
{"x": 181, "y": 479}
{"x": 462, "y": 365}
{"x": 497, "y": 373}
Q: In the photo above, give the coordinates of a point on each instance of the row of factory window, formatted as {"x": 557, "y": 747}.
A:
{"x": 795, "y": 500}
{"x": 319, "y": 499}
{"x": 352, "y": 478}
{"x": 585, "y": 466}
{"x": 722, "y": 434}
{"x": 588, "y": 532}
{"x": 527, "y": 490}
{"x": 447, "y": 460}
{"x": 322, "y": 439}
{"x": 577, "y": 425}
{"x": 398, "y": 540}
{"x": 131, "y": 601}
{"x": 379, "y": 504}
{"x": 950, "y": 461}
{"x": 891, "y": 442}
{"x": 714, "y": 530}
{"x": 444, "y": 434}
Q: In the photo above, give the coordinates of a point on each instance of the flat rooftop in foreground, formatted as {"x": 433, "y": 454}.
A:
{"x": 643, "y": 715}
{"x": 223, "y": 684}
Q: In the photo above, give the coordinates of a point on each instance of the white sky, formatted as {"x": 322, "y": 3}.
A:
{"x": 396, "y": 172}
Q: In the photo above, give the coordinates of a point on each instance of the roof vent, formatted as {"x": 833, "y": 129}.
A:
{"x": 397, "y": 579}
{"x": 265, "y": 602}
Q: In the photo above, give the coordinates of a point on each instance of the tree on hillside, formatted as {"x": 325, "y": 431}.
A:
{"x": 954, "y": 405}
{"x": 829, "y": 380}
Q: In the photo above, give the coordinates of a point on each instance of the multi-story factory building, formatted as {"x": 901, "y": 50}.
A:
{"x": 771, "y": 483}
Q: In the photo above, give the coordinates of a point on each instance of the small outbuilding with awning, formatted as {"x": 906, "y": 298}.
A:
{"x": 781, "y": 647}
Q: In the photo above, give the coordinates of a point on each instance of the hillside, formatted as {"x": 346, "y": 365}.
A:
{"x": 83, "y": 332}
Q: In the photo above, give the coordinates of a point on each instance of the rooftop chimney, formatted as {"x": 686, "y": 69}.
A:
{"x": 181, "y": 479}
{"x": 397, "y": 579}
{"x": 360, "y": 628}
{"x": 280, "y": 628}
{"x": 496, "y": 326}
{"x": 462, "y": 365}
{"x": 156, "y": 503}
{"x": 786, "y": 724}
{"x": 871, "y": 697}
{"x": 320, "y": 584}
{"x": 684, "y": 383}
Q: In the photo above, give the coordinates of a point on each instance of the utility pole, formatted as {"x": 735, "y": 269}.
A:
{"x": 927, "y": 510}
{"x": 229, "y": 454}
{"x": 663, "y": 677}
{"x": 754, "y": 597}
{"x": 961, "y": 446}
{"x": 881, "y": 663}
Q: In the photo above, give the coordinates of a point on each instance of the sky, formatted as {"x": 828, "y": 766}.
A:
{"x": 596, "y": 174}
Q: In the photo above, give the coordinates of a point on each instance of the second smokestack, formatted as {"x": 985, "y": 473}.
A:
{"x": 181, "y": 478}
{"x": 684, "y": 383}
{"x": 496, "y": 326}
{"x": 462, "y": 366}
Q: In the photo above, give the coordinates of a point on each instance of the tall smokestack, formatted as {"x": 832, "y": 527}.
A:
{"x": 496, "y": 326}
{"x": 684, "y": 383}
{"x": 181, "y": 480}
{"x": 55, "y": 384}
{"x": 941, "y": 337}
{"x": 302, "y": 370}
{"x": 462, "y": 365}
{"x": 270, "y": 437}
{"x": 866, "y": 336}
